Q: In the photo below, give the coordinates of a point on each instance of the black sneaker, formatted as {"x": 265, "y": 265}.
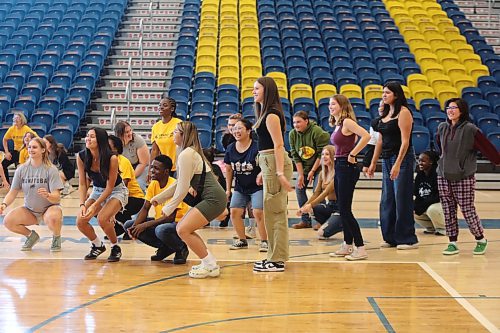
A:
{"x": 161, "y": 253}
{"x": 126, "y": 237}
{"x": 270, "y": 266}
{"x": 95, "y": 251}
{"x": 116, "y": 254}
{"x": 181, "y": 256}
{"x": 259, "y": 264}
{"x": 238, "y": 245}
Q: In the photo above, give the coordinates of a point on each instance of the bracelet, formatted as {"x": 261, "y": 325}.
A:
{"x": 280, "y": 173}
{"x": 353, "y": 156}
{"x": 82, "y": 205}
{"x": 4, "y": 204}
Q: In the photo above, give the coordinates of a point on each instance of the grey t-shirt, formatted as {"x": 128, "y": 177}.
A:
{"x": 130, "y": 149}
{"x": 29, "y": 179}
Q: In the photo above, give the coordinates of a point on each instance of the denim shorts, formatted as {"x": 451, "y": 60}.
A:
{"x": 240, "y": 200}
{"x": 120, "y": 192}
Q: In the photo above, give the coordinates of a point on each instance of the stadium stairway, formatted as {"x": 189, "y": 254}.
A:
{"x": 158, "y": 47}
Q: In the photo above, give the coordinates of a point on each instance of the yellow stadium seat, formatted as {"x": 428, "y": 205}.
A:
{"x": 416, "y": 80}
{"x": 423, "y": 22}
{"x": 436, "y": 14}
{"x": 254, "y": 70}
{"x": 228, "y": 49}
{"x": 251, "y": 60}
{"x": 249, "y": 31}
{"x": 422, "y": 92}
{"x": 432, "y": 69}
{"x": 445, "y": 93}
{"x": 229, "y": 70}
{"x": 431, "y": 6}
{"x": 228, "y": 80}
{"x": 454, "y": 69}
{"x": 438, "y": 81}
{"x": 419, "y": 45}
{"x": 372, "y": 91}
{"x": 394, "y": 5}
{"x": 248, "y": 81}
{"x": 246, "y": 93}
{"x": 300, "y": 90}
{"x": 447, "y": 58}
{"x": 249, "y": 40}
{"x": 413, "y": 36}
{"x": 205, "y": 65}
{"x": 324, "y": 91}
{"x": 425, "y": 57}
{"x": 406, "y": 91}
{"x": 449, "y": 31}
{"x": 228, "y": 40}
{"x": 279, "y": 78}
{"x": 462, "y": 81}
{"x": 398, "y": 13}
{"x": 468, "y": 59}
{"x": 351, "y": 91}
{"x": 462, "y": 48}
{"x": 412, "y": 5}
{"x": 229, "y": 31}
{"x": 416, "y": 13}
{"x": 476, "y": 71}
{"x": 228, "y": 59}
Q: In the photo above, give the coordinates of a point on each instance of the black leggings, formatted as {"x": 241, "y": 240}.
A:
{"x": 133, "y": 207}
{"x": 6, "y": 163}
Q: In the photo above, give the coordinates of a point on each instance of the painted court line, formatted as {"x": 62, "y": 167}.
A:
{"x": 459, "y": 298}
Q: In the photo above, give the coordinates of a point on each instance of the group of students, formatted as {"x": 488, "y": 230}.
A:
{"x": 179, "y": 174}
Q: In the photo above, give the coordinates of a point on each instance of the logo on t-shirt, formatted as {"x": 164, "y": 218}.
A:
{"x": 244, "y": 168}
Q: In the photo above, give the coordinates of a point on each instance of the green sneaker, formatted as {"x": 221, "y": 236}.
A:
{"x": 451, "y": 250}
{"x": 31, "y": 240}
{"x": 480, "y": 248}
{"x": 56, "y": 244}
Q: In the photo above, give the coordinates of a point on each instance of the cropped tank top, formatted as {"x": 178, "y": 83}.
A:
{"x": 343, "y": 143}
{"x": 96, "y": 177}
{"x": 265, "y": 141}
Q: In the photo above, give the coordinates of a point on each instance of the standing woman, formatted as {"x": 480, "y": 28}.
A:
{"x": 306, "y": 142}
{"x": 15, "y": 133}
{"x": 194, "y": 172}
{"x": 162, "y": 133}
{"x": 241, "y": 164}
{"x": 276, "y": 172}
{"x": 459, "y": 140}
{"x": 109, "y": 195}
{"x": 59, "y": 157}
{"x": 347, "y": 172}
{"x": 39, "y": 180}
{"x": 135, "y": 149}
{"x": 398, "y": 163}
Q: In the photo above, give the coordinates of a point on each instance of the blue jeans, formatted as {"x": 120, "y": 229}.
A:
{"x": 302, "y": 196}
{"x": 163, "y": 235}
{"x": 346, "y": 177}
{"x": 396, "y": 205}
{"x": 328, "y": 214}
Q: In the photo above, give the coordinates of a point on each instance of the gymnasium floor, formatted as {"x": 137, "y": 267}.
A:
{"x": 394, "y": 291}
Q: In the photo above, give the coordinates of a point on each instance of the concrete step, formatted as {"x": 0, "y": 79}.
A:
{"x": 125, "y": 52}
{"x": 139, "y": 85}
{"x": 135, "y": 26}
{"x": 160, "y": 74}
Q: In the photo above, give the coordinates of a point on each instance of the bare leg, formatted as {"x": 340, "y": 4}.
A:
{"x": 186, "y": 228}
{"x": 17, "y": 220}
{"x": 236, "y": 218}
{"x": 259, "y": 218}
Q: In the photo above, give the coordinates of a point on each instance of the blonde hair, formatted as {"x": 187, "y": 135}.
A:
{"x": 346, "y": 110}
{"x": 21, "y": 115}
{"x": 328, "y": 171}
{"x": 190, "y": 138}
{"x": 45, "y": 155}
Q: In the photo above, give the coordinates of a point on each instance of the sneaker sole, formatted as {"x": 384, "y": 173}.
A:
{"x": 335, "y": 255}
{"x": 351, "y": 258}
{"x": 263, "y": 270}
{"x": 478, "y": 253}
{"x": 114, "y": 259}
{"x": 55, "y": 250}
{"x": 212, "y": 275}
{"x": 450, "y": 253}
{"x": 238, "y": 248}
{"x": 263, "y": 250}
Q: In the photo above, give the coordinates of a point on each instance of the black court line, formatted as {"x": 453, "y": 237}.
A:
{"x": 260, "y": 317}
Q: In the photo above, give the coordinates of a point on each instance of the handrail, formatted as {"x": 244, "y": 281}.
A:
{"x": 128, "y": 87}
{"x": 113, "y": 118}
{"x": 151, "y": 20}
{"x": 141, "y": 35}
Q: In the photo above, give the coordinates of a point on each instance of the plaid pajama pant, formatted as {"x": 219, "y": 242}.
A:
{"x": 459, "y": 192}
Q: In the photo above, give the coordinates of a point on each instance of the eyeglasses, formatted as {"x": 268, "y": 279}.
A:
{"x": 451, "y": 107}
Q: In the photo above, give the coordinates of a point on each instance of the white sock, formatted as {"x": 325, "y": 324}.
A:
{"x": 113, "y": 244}
{"x": 482, "y": 241}
{"x": 97, "y": 242}
{"x": 454, "y": 243}
{"x": 252, "y": 222}
{"x": 209, "y": 261}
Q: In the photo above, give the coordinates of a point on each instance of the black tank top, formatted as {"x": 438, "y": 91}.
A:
{"x": 265, "y": 141}
{"x": 96, "y": 177}
{"x": 391, "y": 137}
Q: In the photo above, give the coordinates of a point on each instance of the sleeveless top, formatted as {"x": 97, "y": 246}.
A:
{"x": 343, "y": 143}
{"x": 96, "y": 177}
{"x": 265, "y": 141}
{"x": 391, "y": 137}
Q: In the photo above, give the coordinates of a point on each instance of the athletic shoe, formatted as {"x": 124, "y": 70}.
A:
{"x": 429, "y": 231}
{"x": 56, "y": 244}
{"x": 181, "y": 256}
{"x": 343, "y": 251}
{"x": 250, "y": 232}
{"x": 259, "y": 263}
{"x": 116, "y": 254}
{"x": 301, "y": 225}
{"x": 239, "y": 245}
{"x": 67, "y": 188}
{"x": 317, "y": 226}
{"x": 440, "y": 232}
{"x": 480, "y": 248}
{"x": 201, "y": 272}
{"x": 451, "y": 250}
{"x": 270, "y": 266}
{"x": 357, "y": 255}
{"x": 385, "y": 245}
{"x": 407, "y": 246}
{"x": 31, "y": 240}
{"x": 161, "y": 253}
{"x": 264, "y": 246}
{"x": 95, "y": 251}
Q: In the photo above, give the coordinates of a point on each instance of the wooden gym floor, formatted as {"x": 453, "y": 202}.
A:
{"x": 393, "y": 291}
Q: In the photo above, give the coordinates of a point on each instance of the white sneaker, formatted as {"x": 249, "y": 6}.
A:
{"x": 407, "y": 246}
{"x": 67, "y": 188}
{"x": 385, "y": 245}
{"x": 343, "y": 251}
{"x": 357, "y": 255}
{"x": 251, "y": 232}
{"x": 201, "y": 272}
{"x": 264, "y": 246}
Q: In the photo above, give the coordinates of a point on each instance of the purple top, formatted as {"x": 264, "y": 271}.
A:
{"x": 343, "y": 144}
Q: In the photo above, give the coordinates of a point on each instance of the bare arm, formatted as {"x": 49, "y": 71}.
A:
{"x": 376, "y": 154}
{"x": 110, "y": 184}
{"x": 143, "y": 155}
{"x": 229, "y": 178}
{"x": 274, "y": 127}
{"x": 9, "y": 198}
{"x": 364, "y": 138}
{"x": 82, "y": 180}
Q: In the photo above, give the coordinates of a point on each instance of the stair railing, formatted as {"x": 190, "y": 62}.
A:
{"x": 128, "y": 87}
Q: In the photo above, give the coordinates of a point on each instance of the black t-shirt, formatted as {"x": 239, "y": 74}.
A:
{"x": 244, "y": 166}
{"x": 265, "y": 140}
{"x": 97, "y": 178}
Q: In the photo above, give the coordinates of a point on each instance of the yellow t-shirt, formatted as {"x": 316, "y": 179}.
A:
{"x": 154, "y": 189}
{"x": 17, "y": 134}
{"x": 163, "y": 135}
{"x": 127, "y": 172}
{"x": 23, "y": 155}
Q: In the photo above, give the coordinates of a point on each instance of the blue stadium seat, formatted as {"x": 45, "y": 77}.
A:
{"x": 70, "y": 117}
{"x": 488, "y": 122}
{"x": 63, "y": 133}
{"x": 432, "y": 121}
{"x": 421, "y": 139}
{"x": 42, "y": 116}
{"x": 205, "y": 137}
